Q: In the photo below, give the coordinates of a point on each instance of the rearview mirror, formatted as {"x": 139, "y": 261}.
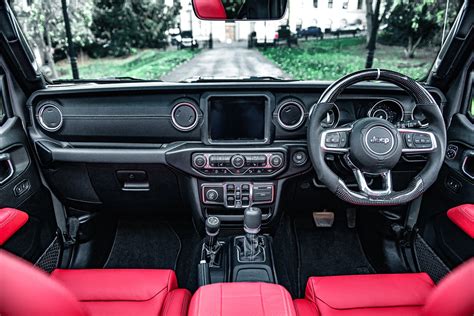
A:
{"x": 235, "y": 10}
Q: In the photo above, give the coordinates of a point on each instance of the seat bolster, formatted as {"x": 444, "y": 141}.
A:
{"x": 305, "y": 307}
{"x": 176, "y": 303}
{"x": 463, "y": 217}
{"x": 454, "y": 295}
{"x": 369, "y": 291}
{"x": 11, "y": 220}
{"x": 116, "y": 284}
{"x": 26, "y": 290}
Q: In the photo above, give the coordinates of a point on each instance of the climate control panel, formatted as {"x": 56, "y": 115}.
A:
{"x": 237, "y": 163}
{"x": 237, "y": 194}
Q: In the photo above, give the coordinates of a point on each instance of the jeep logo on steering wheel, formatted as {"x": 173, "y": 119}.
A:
{"x": 379, "y": 140}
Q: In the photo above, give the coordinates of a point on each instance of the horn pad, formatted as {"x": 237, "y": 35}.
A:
{"x": 375, "y": 145}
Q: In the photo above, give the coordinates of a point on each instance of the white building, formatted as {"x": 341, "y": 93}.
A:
{"x": 327, "y": 14}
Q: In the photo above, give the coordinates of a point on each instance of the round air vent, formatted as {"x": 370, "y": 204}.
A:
{"x": 50, "y": 117}
{"x": 184, "y": 116}
{"x": 290, "y": 114}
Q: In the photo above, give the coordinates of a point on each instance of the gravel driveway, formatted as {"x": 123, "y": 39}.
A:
{"x": 226, "y": 60}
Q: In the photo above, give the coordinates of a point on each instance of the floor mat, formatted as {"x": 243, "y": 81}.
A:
{"x": 328, "y": 251}
{"x": 144, "y": 244}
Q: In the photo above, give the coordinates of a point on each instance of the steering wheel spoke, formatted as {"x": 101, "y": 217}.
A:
{"x": 417, "y": 141}
{"x": 336, "y": 140}
{"x": 364, "y": 187}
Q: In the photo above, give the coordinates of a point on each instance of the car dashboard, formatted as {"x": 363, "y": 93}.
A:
{"x": 214, "y": 148}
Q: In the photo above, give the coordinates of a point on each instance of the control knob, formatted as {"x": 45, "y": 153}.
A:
{"x": 237, "y": 161}
{"x": 276, "y": 161}
{"x": 199, "y": 161}
{"x": 212, "y": 195}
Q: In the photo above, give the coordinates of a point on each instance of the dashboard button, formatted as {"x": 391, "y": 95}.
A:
{"x": 300, "y": 158}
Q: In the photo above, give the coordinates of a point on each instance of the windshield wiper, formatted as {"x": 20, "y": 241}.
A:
{"x": 230, "y": 79}
{"x": 105, "y": 80}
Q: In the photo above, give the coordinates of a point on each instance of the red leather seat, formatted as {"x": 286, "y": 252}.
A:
{"x": 237, "y": 299}
{"x": 390, "y": 294}
{"x": 463, "y": 217}
{"x": 376, "y": 294}
{"x": 210, "y": 9}
{"x": 29, "y": 291}
{"x": 11, "y": 220}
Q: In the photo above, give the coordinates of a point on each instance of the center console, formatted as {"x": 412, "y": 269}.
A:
{"x": 238, "y": 164}
{"x": 241, "y": 258}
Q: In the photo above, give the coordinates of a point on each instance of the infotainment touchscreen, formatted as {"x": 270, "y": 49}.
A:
{"x": 236, "y": 118}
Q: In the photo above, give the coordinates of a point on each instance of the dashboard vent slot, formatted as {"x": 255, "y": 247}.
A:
{"x": 184, "y": 116}
{"x": 50, "y": 117}
{"x": 290, "y": 114}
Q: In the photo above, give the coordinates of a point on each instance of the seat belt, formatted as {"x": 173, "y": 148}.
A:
{"x": 412, "y": 213}
{"x": 410, "y": 232}
{"x": 67, "y": 227}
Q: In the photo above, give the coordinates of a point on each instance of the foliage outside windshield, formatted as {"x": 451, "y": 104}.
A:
{"x": 163, "y": 39}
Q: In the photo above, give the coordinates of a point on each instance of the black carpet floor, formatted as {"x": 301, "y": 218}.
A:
{"x": 328, "y": 251}
{"x": 144, "y": 244}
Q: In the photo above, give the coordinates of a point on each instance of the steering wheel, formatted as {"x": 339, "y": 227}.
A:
{"x": 373, "y": 146}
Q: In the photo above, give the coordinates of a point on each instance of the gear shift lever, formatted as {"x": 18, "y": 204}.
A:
{"x": 252, "y": 249}
{"x": 213, "y": 225}
{"x": 252, "y": 220}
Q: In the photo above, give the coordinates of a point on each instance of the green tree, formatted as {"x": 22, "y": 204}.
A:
{"x": 416, "y": 22}
{"x": 376, "y": 14}
{"x": 120, "y": 26}
{"x": 43, "y": 22}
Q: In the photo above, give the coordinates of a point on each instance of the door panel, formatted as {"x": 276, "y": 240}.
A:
{"x": 23, "y": 190}
{"x": 455, "y": 186}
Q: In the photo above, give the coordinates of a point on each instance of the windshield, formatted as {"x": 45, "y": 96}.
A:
{"x": 164, "y": 40}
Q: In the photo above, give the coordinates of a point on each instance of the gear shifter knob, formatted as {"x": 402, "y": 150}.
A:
{"x": 213, "y": 225}
{"x": 252, "y": 220}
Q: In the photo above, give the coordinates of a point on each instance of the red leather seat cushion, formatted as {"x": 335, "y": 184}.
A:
{"x": 373, "y": 294}
{"x": 11, "y": 220}
{"x": 210, "y": 9}
{"x": 454, "y": 295}
{"x": 125, "y": 291}
{"x": 463, "y": 216}
{"x": 236, "y": 299}
{"x": 26, "y": 290}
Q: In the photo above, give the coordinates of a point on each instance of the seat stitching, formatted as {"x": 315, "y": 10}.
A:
{"x": 221, "y": 300}
{"x": 313, "y": 292}
{"x": 284, "y": 301}
{"x": 185, "y": 303}
{"x": 261, "y": 299}
{"x": 120, "y": 300}
{"x": 168, "y": 300}
{"x": 10, "y": 217}
{"x": 362, "y": 307}
{"x": 199, "y": 302}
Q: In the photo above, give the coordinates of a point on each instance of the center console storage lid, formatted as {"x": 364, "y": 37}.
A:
{"x": 241, "y": 298}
